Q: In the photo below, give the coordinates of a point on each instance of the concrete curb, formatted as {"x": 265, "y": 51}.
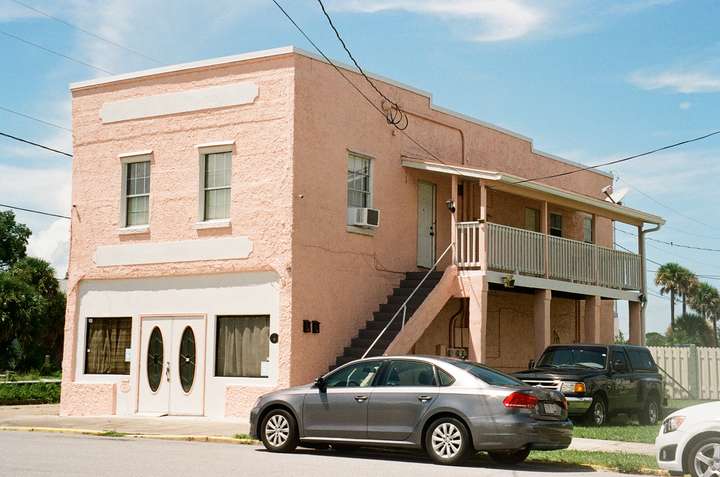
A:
{"x": 164, "y": 437}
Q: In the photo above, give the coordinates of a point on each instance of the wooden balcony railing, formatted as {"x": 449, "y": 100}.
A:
{"x": 514, "y": 250}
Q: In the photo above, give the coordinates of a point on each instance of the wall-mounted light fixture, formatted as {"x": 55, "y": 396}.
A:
{"x": 450, "y": 205}
{"x": 316, "y": 327}
{"x": 307, "y": 328}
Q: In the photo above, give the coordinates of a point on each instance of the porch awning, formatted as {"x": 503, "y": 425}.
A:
{"x": 538, "y": 191}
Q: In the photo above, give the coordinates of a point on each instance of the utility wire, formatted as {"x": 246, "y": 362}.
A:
{"x": 48, "y": 123}
{"x": 687, "y": 141}
{"x": 87, "y": 32}
{"x": 10, "y": 136}
{"x": 62, "y": 55}
{"x": 33, "y": 211}
{"x": 396, "y": 116}
{"x": 672, "y": 244}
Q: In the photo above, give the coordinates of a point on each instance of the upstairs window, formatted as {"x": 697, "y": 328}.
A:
{"x": 556, "y": 225}
{"x": 217, "y": 172}
{"x": 359, "y": 181}
{"x": 588, "y": 229}
{"x": 532, "y": 219}
{"x": 137, "y": 193}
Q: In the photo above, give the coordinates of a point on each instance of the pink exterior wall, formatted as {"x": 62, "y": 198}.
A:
{"x": 262, "y": 172}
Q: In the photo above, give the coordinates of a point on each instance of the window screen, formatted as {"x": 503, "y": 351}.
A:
{"x": 243, "y": 343}
{"x": 106, "y": 342}
{"x": 218, "y": 172}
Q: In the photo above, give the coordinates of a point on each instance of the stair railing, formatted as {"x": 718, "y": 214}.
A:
{"x": 403, "y": 307}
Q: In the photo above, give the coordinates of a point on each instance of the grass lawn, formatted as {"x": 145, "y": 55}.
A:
{"x": 627, "y": 463}
{"x": 626, "y": 433}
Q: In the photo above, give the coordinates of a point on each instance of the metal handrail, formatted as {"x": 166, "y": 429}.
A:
{"x": 403, "y": 307}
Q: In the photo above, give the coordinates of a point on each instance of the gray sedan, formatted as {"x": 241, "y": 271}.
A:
{"x": 448, "y": 407}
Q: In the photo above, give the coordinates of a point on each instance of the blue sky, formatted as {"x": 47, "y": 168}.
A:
{"x": 587, "y": 80}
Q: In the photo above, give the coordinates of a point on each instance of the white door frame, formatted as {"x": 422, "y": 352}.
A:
{"x": 201, "y": 369}
{"x": 433, "y": 225}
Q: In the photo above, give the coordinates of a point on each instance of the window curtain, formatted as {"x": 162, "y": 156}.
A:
{"x": 242, "y": 344}
{"x": 107, "y": 340}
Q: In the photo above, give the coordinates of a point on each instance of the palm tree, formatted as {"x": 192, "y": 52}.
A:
{"x": 688, "y": 281}
{"x": 691, "y": 328}
{"x": 705, "y": 299}
{"x": 669, "y": 277}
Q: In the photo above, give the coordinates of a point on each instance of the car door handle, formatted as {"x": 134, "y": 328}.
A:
{"x": 424, "y": 398}
{"x": 361, "y": 398}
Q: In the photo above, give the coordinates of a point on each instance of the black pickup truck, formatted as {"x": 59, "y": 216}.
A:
{"x": 601, "y": 380}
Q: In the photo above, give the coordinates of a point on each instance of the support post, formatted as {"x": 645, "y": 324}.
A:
{"x": 482, "y": 240}
{"x": 453, "y": 220}
{"x": 546, "y": 242}
{"x": 635, "y": 315}
{"x": 543, "y": 300}
{"x": 592, "y": 319}
{"x": 477, "y": 322}
{"x": 643, "y": 282}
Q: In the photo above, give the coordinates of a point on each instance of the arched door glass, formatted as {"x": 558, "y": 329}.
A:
{"x": 186, "y": 359}
{"x": 155, "y": 359}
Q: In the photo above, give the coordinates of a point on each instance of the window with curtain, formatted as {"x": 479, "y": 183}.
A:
{"x": 242, "y": 344}
{"x": 359, "y": 181}
{"x": 217, "y": 169}
{"x": 107, "y": 340}
{"x": 137, "y": 193}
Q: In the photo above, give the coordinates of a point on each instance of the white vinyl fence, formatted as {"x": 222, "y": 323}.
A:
{"x": 692, "y": 372}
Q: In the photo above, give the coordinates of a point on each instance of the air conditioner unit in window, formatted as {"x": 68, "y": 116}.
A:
{"x": 363, "y": 217}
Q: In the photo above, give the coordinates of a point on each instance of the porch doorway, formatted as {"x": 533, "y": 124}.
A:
{"x": 172, "y": 366}
{"x": 427, "y": 193}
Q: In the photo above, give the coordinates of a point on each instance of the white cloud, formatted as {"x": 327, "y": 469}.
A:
{"x": 685, "y": 105}
{"x": 678, "y": 81}
{"x": 12, "y": 11}
{"x": 495, "y": 20}
{"x": 52, "y": 244}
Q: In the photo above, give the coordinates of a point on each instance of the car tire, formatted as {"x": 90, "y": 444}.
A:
{"x": 651, "y": 412}
{"x": 510, "y": 458}
{"x": 694, "y": 464}
{"x": 278, "y": 432}
{"x": 597, "y": 415}
{"x": 447, "y": 441}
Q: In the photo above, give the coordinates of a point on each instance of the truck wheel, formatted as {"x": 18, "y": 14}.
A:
{"x": 650, "y": 413}
{"x": 597, "y": 414}
{"x": 510, "y": 458}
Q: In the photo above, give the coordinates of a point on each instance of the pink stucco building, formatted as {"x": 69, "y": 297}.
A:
{"x": 245, "y": 223}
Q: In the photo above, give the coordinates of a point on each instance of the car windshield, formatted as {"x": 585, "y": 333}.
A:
{"x": 487, "y": 375}
{"x": 575, "y": 357}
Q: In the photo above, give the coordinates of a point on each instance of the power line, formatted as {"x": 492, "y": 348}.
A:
{"x": 661, "y": 204}
{"x": 33, "y": 211}
{"x": 48, "y": 123}
{"x": 62, "y": 55}
{"x": 396, "y": 116}
{"x": 87, "y": 32}
{"x": 673, "y": 244}
{"x": 687, "y": 141}
{"x": 10, "y": 136}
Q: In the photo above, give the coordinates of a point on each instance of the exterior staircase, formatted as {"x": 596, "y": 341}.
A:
{"x": 381, "y": 318}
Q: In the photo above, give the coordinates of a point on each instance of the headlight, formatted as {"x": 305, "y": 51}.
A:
{"x": 571, "y": 387}
{"x": 672, "y": 424}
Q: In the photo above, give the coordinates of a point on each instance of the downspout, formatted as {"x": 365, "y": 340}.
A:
{"x": 643, "y": 274}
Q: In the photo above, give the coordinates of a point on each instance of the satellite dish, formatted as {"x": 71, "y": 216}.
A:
{"x": 616, "y": 197}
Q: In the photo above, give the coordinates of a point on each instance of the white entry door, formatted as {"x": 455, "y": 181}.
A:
{"x": 426, "y": 224}
{"x": 172, "y": 366}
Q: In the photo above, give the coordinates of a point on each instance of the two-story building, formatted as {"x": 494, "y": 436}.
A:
{"x": 246, "y": 223}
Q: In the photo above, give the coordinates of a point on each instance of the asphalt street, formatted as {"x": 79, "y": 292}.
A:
{"x": 38, "y": 454}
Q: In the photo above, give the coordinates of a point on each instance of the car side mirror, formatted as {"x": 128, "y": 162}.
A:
{"x": 531, "y": 364}
{"x": 321, "y": 384}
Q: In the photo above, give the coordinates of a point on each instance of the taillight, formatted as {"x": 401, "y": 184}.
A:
{"x": 521, "y": 400}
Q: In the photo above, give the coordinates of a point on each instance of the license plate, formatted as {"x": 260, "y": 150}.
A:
{"x": 552, "y": 409}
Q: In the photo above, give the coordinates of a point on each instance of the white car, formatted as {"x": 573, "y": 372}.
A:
{"x": 689, "y": 441}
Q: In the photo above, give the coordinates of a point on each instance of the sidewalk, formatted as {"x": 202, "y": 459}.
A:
{"x": 46, "y": 417}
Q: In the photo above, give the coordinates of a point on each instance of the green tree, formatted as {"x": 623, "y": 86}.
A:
{"x": 669, "y": 277}
{"x": 705, "y": 299}
{"x": 691, "y": 329}
{"x": 655, "y": 339}
{"x": 13, "y": 239}
{"x": 687, "y": 281}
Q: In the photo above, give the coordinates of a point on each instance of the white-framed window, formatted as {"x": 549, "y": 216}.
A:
{"x": 359, "y": 181}
{"x": 106, "y": 342}
{"x": 216, "y": 175}
{"x": 532, "y": 219}
{"x": 136, "y": 192}
{"x": 556, "y": 225}
{"x": 587, "y": 222}
{"x": 242, "y": 346}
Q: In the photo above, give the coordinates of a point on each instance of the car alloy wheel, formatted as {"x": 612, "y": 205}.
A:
{"x": 279, "y": 431}
{"x": 707, "y": 460}
{"x": 598, "y": 412}
{"x": 446, "y": 440}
